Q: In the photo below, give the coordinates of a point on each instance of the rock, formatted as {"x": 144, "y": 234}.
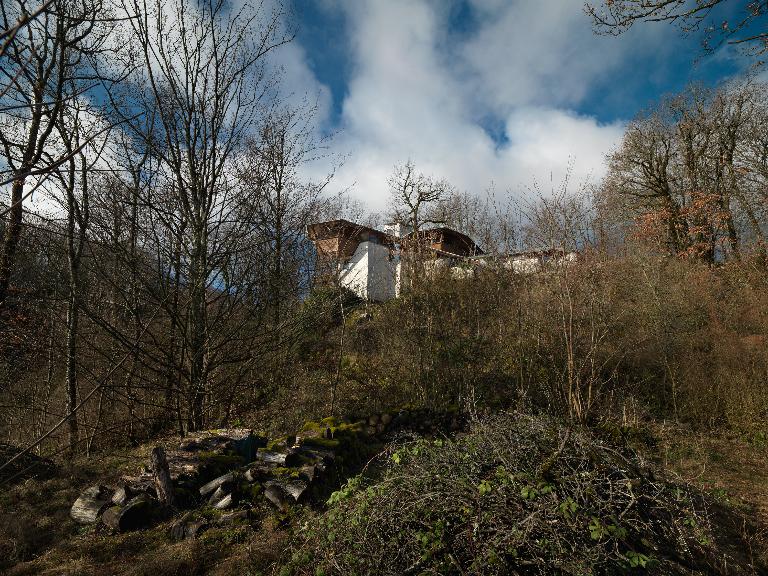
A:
{"x": 216, "y": 483}
{"x": 91, "y": 504}
{"x": 139, "y": 512}
{"x": 386, "y": 418}
{"x": 373, "y": 420}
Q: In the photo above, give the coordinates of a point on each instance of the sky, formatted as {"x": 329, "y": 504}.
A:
{"x": 502, "y": 95}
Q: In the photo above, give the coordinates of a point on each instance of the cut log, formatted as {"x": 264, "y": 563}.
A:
{"x": 274, "y": 458}
{"x": 224, "y": 503}
{"x": 309, "y": 472}
{"x": 277, "y": 496}
{"x": 233, "y": 517}
{"x": 90, "y": 505}
{"x": 162, "y": 477}
{"x": 259, "y": 472}
{"x": 187, "y": 527}
{"x": 295, "y": 489}
{"x": 193, "y": 454}
{"x": 139, "y": 512}
{"x": 219, "y": 494}
{"x": 120, "y": 497}
{"x": 214, "y": 484}
{"x": 327, "y": 456}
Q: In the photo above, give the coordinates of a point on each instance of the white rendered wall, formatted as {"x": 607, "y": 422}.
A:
{"x": 372, "y": 272}
{"x": 354, "y": 273}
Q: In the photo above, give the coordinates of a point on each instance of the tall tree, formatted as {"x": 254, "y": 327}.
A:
{"x": 204, "y": 81}
{"x": 37, "y": 62}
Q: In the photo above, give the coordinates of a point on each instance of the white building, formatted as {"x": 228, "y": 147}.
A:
{"x": 371, "y": 263}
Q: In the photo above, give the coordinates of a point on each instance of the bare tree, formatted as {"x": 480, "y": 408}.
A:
{"x": 204, "y": 79}
{"x": 35, "y": 65}
{"x": 284, "y": 202}
{"x": 415, "y": 197}
{"x": 689, "y": 172}
{"x": 747, "y": 27}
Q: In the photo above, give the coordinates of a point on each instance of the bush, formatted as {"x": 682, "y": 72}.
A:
{"x": 517, "y": 495}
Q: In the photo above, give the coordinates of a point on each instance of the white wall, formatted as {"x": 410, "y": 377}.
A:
{"x": 372, "y": 272}
{"x": 354, "y": 273}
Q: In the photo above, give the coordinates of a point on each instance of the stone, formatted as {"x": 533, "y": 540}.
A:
{"x": 373, "y": 420}
{"x": 386, "y": 419}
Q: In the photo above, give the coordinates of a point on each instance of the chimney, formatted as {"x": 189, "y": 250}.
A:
{"x": 397, "y": 229}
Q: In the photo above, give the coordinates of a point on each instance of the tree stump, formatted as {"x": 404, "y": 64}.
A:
{"x": 162, "y": 477}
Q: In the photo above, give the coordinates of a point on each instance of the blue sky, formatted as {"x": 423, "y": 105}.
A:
{"x": 491, "y": 94}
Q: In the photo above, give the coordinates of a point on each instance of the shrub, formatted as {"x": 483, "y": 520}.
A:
{"x": 516, "y": 495}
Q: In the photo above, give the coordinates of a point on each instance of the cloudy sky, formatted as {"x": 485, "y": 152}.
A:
{"x": 500, "y": 93}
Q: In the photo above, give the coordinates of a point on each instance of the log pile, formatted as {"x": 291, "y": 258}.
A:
{"x": 233, "y": 470}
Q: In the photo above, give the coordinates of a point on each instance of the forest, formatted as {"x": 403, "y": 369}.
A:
{"x": 157, "y": 283}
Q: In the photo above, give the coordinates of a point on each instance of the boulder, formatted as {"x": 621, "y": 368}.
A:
{"x": 91, "y": 504}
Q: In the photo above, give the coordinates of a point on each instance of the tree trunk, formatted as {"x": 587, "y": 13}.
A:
{"x": 11, "y": 237}
{"x": 71, "y": 372}
{"x": 162, "y": 477}
{"x": 198, "y": 338}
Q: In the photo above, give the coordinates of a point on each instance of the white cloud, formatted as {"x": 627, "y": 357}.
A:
{"x": 414, "y": 95}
